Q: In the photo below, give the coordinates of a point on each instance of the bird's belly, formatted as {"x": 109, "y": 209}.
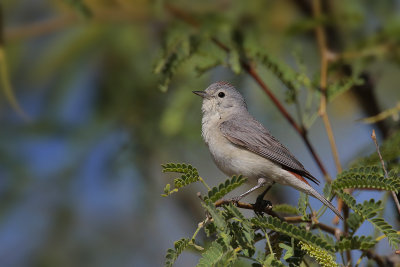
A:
{"x": 235, "y": 160}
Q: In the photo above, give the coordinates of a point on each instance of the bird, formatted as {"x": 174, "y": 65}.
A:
{"x": 241, "y": 145}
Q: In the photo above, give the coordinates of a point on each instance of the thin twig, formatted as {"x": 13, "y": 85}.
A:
{"x": 396, "y": 200}
{"x": 324, "y": 51}
{"x": 5, "y": 75}
{"x": 39, "y": 28}
{"x": 253, "y": 73}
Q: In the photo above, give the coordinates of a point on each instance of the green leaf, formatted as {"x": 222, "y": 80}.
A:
{"x": 285, "y": 74}
{"x": 303, "y": 203}
{"x": 271, "y": 261}
{"x": 354, "y": 221}
{"x": 217, "y": 255}
{"x": 289, "y": 250}
{"x": 336, "y": 88}
{"x": 210, "y": 229}
{"x": 168, "y": 191}
{"x": 179, "y": 48}
{"x": 216, "y": 214}
{"x": 367, "y": 212}
{"x": 371, "y": 177}
{"x": 212, "y": 255}
{"x": 241, "y": 230}
{"x": 178, "y": 167}
{"x": 172, "y": 254}
{"x": 224, "y": 188}
{"x": 286, "y": 208}
{"x": 292, "y": 231}
{"x": 327, "y": 191}
{"x": 189, "y": 175}
{"x": 392, "y": 236}
{"x": 355, "y": 242}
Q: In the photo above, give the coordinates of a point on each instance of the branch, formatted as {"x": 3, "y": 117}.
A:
{"x": 5, "y": 75}
{"x": 323, "y": 51}
{"x": 293, "y": 219}
{"x": 253, "y": 73}
{"x": 40, "y": 28}
{"x": 396, "y": 200}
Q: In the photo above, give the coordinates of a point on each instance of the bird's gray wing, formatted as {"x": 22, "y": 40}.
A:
{"x": 247, "y": 132}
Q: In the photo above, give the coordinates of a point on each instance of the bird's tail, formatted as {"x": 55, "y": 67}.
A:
{"x": 301, "y": 184}
{"x": 326, "y": 202}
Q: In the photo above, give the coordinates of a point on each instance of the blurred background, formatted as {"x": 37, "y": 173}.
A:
{"x": 85, "y": 125}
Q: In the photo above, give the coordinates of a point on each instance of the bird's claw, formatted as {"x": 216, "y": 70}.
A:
{"x": 261, "y": 205}
{"x": 235, "y": 200}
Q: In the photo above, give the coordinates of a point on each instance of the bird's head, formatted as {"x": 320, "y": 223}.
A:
{"x": 221, "y": 98}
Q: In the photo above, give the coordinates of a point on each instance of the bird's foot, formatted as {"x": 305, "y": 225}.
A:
{"x": 261, "y": 205}
{"x": 235, "y": 200}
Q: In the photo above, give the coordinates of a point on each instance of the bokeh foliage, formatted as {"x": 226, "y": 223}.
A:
{"x": 80, "y": 172}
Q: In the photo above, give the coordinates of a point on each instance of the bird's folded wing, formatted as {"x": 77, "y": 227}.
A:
{"x": 252, "y": 135}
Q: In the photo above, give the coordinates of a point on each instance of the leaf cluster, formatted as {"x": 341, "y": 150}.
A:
{"x": 233, "y": 236}
{"x": 189, "y": 175}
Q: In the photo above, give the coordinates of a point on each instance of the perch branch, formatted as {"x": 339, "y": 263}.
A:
{"x": 292, "y": 219}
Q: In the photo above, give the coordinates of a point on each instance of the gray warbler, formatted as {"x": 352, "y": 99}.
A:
{"x": 239, "y": 144}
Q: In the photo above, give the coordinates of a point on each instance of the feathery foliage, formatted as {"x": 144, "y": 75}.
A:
{"x": 233, "y": 235}
{"x": 224, "y": 188}
{"x": 355, "y": 242}
{"x": 217, "y": 255}
{"x": 172, "y": 254}
{"x": 286, "y": 208}
{"x": 190, "y": 175}
{"x": 323, "y": 257}
{"x": 368, "y": 212}
{"x": 289, "y": 229}
{"x": 371, "y": 177}
{"x": 178, "y": 49}
{"x": 302, "y": 204}
{"x": 368, "y": 208}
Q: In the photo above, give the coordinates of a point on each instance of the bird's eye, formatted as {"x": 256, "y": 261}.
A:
{"x": 221, "y": 94}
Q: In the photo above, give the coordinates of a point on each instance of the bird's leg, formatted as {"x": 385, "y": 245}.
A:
{"x": 261, "y": 204}
{"x": 260, "y": 183}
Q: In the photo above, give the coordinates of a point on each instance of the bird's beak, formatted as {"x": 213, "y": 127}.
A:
{"x": 203, "y": 94}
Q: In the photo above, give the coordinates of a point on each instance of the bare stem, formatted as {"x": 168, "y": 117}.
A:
{"x": 204, "y": 183}
{"x": 396, "y": 200}
{"x": 323, "y": 51}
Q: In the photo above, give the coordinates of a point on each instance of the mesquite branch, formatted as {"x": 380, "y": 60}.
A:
{"x": 293, "y": 219}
